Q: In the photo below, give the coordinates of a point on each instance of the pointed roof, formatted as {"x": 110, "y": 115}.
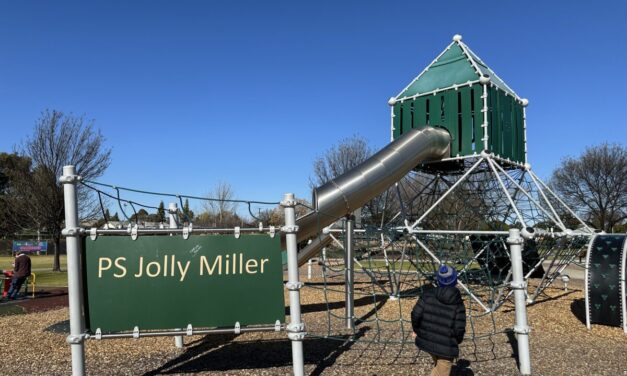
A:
{"x": 457, "y": 65}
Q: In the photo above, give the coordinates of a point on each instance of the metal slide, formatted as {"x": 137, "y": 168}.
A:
{"x": 351, "y": 190}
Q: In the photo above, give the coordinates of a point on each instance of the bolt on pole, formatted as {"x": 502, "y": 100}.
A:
{"x": 172, "y": 210}
{"x": 75, "y": 287}
{"x": 521, "y": 329}
{"x": 296, "y": 328}
{"x": 349, "y": 272}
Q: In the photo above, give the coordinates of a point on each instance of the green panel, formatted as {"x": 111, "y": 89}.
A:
{"x": 478, "y": 92}
{"x": 451, "y": 68}
{"x": 450, "y": 119}
{"x": 166, "y": 282}
{"x": 467, "y": 130}
{"x": 495, "y": 122}
{"x": 434, "y": 110}
{"x": 515, "y": 133}
{"x": 506, "y": 126}
{"x": 517, "y": 128}
{"x": 397, "y": 120}
{"x": 406, "y": 125}
{"x": 521, "y": 133}
{"x": 420, "y": 112}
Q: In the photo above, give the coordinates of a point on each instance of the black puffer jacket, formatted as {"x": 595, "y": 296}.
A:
{"x": 439, "y": 321}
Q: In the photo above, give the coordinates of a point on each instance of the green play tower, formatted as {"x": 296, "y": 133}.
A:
{"x": 459, "y": 92}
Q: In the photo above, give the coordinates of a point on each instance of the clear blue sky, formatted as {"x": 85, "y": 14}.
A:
{"x": 189, "y": 93}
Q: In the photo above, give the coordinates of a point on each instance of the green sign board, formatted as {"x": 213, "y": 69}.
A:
{"x": 167, "y": 282}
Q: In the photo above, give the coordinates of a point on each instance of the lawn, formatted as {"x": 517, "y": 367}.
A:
{"x": 42, "y": 268}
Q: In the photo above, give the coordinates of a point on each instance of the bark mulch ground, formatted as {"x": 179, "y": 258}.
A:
{"x": 34, "y": 344}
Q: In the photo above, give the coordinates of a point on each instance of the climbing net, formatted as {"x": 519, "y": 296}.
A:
{"x": 456, "y": 214}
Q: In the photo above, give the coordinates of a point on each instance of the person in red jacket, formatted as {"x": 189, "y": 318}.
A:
{"x": 439, "y": 321}
{"x": 21, "y": 271}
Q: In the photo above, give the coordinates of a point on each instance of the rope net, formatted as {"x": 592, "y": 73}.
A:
{"x": 455, "y": 214}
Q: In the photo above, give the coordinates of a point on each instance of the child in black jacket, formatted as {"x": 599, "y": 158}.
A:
{"x": 439, "y": 321}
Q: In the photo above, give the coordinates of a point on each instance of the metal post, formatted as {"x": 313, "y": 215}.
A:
{"x": 309, "y": 263}
{"x": 172, "y": 210}
{"x": 295, "y": 329}
{"x": 521, "y": 328}
{"x": 349, "y": 272}
{"x": 75, "y": 293}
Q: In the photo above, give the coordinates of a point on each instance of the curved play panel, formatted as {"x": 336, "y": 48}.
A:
{"x": 605, "y": 281}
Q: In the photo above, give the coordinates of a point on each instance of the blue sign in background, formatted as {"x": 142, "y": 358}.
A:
{"x": 29, "y": 246}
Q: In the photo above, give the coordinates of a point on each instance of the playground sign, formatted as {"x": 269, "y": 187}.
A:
{"x": 26, "y": 246}
{"x": 167, "y": 282}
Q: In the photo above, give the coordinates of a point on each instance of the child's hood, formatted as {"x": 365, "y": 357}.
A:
{"x": 448, "y": 295}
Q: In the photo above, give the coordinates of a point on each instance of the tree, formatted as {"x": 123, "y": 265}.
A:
{"x": 142, "y": 215}
{"x": 343, "y": 157}
{"x": 221, "y": 206}
{"x": 58, "y": 140}
{"x": 339, "y": 159}
{"x": 11, "y": 167}
{"x": 595, "y": 185}
{"x": 188, "y": 215}
{"x": 161, "y": 213}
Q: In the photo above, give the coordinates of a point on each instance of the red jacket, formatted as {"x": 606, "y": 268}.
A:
{"x": 22, "y": 266}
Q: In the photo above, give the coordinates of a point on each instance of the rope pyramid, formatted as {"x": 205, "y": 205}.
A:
{"x": 457, "y": 215}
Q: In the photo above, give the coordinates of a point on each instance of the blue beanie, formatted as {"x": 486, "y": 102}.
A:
{"x": 446, "y": 276}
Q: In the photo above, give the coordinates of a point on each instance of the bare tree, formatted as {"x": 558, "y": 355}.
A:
{"x": 595, "y": 185}
{"x": 339, "y": 159}
{"x": 221, "y": 206}
{"x": 12, "y": 166}
{"x": 59, "y": 140}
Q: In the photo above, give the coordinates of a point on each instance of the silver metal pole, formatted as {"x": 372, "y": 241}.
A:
{"x": 518, "y": 284}
{"x": 295, "y": 329}
{"x": 75, "y": 287}
{"x": 172, "y": 210}
{"x": 309, "y": 263}
{"x": 349, "y": 271}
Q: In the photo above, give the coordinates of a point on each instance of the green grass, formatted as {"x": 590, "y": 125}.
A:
{"x": 42, "y": 268}
{"x": 37, "y": 262}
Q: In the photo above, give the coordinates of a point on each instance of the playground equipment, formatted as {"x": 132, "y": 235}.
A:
{"x": 455, "y": 188}
{"x": 605, "y": 291}
{"x": 458, "y": 209}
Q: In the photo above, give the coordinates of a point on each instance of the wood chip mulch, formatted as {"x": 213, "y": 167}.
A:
{"x": 34, "y": 344}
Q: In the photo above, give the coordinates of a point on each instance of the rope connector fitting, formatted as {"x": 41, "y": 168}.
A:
{"x": 72, "y": 231}
{"x": 518, "y": 285}
{"x": 74, "y": 339}
{"x": 294, "y": 286}
{"x": 289, "y": 229}
{"x": 288, "y": 203}
{"x": 515, "y": 241}
{"x": 522, "y": 329}
{"x": 70, "y": 179}
{"x": 296, "y": 332}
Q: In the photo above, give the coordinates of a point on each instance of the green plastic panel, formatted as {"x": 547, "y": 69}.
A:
{"x": 477, "y": 92}
{"x": 450, "y": 120}
{"x": 167, "y": 282}
{"x": 420, "y": 112}
{"x": 506, "y": 126}
{"x": 407, "y": 116}
{"x": 397, "y": 120}
{"x": 494, "y": 123}
{"x": 451, "y": 68}
{"x": 466, "y": 119}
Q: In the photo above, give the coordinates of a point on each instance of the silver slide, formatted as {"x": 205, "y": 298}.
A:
{"x": 351, "y": 190}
